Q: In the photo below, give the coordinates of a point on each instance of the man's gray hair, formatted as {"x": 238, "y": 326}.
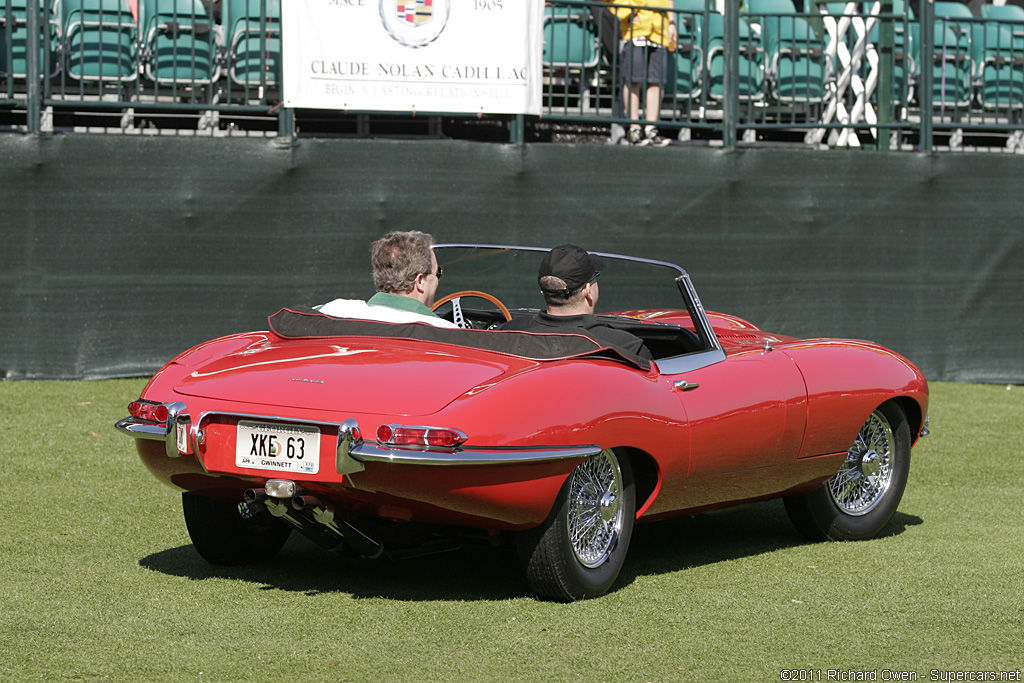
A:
{"x": 556, "y": 292}
{"x": 397, "y": 258}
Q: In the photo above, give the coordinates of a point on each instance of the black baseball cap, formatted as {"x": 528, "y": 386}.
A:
{"x": 571, "y": 264}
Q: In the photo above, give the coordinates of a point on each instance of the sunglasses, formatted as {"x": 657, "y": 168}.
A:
{"x": 440, "y": 270}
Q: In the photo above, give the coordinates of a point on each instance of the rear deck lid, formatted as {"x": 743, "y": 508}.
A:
{"x": 399, "y": 377}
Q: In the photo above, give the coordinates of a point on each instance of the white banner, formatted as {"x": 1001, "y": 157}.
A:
{"x": 468, "y": 56}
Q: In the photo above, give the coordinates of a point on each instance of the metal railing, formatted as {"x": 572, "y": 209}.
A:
{"x": 840, "y": 74}
{"x": 163, "y": 65}
{"x": 856, "y": 74}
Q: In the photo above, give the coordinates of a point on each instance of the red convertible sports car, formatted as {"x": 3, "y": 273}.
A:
{"x": 398, "y": 439}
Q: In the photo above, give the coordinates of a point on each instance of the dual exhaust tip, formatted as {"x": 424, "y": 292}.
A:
{"x": 295, "y": 498}
{"x": 279, "y": 494}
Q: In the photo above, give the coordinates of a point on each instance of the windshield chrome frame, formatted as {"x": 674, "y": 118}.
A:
{"x": 713, "y": 351}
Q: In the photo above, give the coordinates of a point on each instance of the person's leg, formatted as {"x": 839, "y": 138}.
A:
{"x": 633, "y": 67}
{"x": 652, "y": 110}
{"x": 656, "y": 68}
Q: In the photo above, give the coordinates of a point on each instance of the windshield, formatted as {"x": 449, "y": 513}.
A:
{"x": 510, "y": 273}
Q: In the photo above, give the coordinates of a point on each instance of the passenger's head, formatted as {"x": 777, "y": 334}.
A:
{"x": 568, "y": 279}
{"x": 404, "y": 263}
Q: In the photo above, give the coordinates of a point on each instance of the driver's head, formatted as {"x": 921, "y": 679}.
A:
{"x": 568, "y": 278}
{"x": 404, "y": 263}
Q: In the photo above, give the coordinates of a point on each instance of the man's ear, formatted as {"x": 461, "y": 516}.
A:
{"x": 418, "y": 285}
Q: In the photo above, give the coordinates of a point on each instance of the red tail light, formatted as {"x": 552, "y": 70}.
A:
{"x": 149, "y": 411}
{"x": 420, "y": 437}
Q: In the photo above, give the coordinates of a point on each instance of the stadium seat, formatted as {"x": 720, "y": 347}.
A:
{"x": 904, "y": 57}
{"x": 683, "y": 81}
{"x": 751, "y": 83}
{"x": 794, "y": 52}
{"x": 571, "y": 53}
{"x": 98, "y": 40}
{"x": 179, "y": 43}
{"x": 253, "y": 36}
{"x": 952, "y": 64}
{"x": 14, "y": 40}
{"x": 998, "y": 53}
{"x": 1006, "y": 13}
{"x": 570, "y": 39}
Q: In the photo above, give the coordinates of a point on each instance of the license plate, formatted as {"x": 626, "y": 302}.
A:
{"x": 273, "y": 446}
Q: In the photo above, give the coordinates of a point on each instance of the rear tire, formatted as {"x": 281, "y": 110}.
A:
{"x": 578, "y": 551}
{"x": 861, "y": 498}
{"x": 222, "y": 536}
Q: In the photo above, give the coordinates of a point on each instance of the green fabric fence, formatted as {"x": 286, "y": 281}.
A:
{"x": 118, "y": 252}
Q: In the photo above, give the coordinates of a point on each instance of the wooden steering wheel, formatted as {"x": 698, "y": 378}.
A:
{"x": 456, "y": 297}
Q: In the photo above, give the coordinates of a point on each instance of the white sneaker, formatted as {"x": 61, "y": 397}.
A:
{"x": 653, "y": 139}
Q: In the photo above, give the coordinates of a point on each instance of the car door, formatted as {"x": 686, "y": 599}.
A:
{"x": 742, "y": 413}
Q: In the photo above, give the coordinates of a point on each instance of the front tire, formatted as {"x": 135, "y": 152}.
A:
{"x": 861, "y": 498}
{"x": 578, "y": 551}
{"x": 222, "y": 536}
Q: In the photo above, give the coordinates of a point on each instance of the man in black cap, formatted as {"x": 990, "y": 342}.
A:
{"x": 568, "y": 280}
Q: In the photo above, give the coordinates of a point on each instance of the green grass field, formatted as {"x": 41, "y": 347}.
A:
{"x": 100, "y": 582}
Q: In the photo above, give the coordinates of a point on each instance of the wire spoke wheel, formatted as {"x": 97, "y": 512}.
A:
{"x": 860, "y": 499}
{"x": 595, "y": 509}
{"x": 863, "y": 480}
{"x": 577, "y": 552}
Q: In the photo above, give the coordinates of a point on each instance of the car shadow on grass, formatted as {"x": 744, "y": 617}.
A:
{"x": 485, "y": 573}
{"x": 468, "y": 573}
{"x": 687, "y": 542}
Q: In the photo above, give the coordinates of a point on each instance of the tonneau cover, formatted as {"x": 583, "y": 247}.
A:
{"x": 301, "y": 322}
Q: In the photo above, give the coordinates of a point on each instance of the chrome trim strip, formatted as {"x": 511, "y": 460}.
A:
{"x": 350, "y": 453}
{"x": 133, "y": 426}
{"x": 343, "y": 460}
{"x": 372, "y": 453}
{"x": 167, "y": 432}
{"x": 274, "y": 418}
{"x": 543, "y": 250}
{"x": 691, "y": 362}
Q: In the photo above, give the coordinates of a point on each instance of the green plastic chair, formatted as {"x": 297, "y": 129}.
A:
{"x": 685, "y": 69}
{"x": 571, "y": 53}
{"x": 14, "y": 40}
{"x": 951, "y": 68}
{"x": 179, "y": 43}
{"x": 99, "y": 40}
{"x": 795, "y": 55}
{"x": 570, "y": 39}
{"x": 253, "y": 35}
{"x": 998, "y": 53}
{"x": 904, "y": 63}
{"x": 952, "y": 64}
{"x": 751, "y": 81}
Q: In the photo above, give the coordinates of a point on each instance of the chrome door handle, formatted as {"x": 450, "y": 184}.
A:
{"x": 683, "y": 385}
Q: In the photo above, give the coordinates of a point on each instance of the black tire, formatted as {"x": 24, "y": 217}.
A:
{"x": 861, "y": 498}
{"x": 599, "y": 497}
{"x": 222, "y": 536}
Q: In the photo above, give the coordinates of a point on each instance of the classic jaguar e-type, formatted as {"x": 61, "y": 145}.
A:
{"x": 396, "y": 439}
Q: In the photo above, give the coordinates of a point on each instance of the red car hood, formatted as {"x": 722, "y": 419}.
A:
{"x": 400, "y": 377}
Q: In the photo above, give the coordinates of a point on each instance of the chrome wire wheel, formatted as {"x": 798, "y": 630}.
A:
{"x": 864, "y": 479}
{"x": 595, "y": 509}
{"x": 578, "y": 551}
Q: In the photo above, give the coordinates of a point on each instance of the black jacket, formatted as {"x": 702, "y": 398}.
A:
{"x": 588, "y": 325}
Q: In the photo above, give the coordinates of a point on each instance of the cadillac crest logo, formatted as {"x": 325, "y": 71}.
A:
{"x": 414, "y": 23}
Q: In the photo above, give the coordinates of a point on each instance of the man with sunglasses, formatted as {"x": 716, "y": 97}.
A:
{"x": 405, "y": 274}
{"x": 568, "y": 280}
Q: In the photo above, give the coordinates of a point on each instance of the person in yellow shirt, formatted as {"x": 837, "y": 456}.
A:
{"x": 649, "y": 34}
